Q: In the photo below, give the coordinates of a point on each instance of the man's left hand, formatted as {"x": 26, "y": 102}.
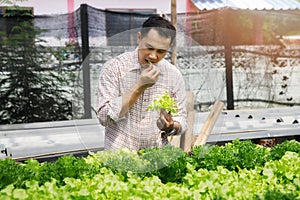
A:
{"x": 165, "y": 121}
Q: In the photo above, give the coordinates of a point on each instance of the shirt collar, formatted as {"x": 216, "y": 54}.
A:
{"x": 136, "y": 65}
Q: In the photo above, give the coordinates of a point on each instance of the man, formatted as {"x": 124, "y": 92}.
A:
{"x": 131, "y": 81}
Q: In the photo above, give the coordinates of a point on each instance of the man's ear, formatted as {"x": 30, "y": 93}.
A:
{"x": 139, "y": 37}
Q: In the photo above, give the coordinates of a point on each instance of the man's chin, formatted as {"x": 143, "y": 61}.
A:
{"x": 145, "y": 65}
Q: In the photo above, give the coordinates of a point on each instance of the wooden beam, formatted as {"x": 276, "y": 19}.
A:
{"x": 185, "y": 140}
{"x": 188, "y": 137}
{"x": 174, "y": 22}
{"x": 209, "y": 123}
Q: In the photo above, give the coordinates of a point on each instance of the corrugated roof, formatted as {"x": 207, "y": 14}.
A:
{"x": 247, "y": 4}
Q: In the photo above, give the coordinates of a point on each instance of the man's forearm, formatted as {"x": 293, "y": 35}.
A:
{"x": 129, "y": 98}
{"x": 147, "y": 79}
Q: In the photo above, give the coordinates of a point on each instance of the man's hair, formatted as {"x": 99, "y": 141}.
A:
{"x": 163, "y": 26}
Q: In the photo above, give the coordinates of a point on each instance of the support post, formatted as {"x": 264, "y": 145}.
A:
{"x": 85, "y": 61}
{"x": 174, "y": 22}
{"x": 228, "y": 61}
{"x": 188, "y": 136}
{"x": 229, "y": 79}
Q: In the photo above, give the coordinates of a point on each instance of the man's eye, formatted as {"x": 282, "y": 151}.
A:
{"x": 161, "y": 51}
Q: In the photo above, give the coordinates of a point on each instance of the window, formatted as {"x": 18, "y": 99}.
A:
{"x": 122, "y": 25}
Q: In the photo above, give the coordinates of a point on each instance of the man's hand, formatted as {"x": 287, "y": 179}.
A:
{"x": 148, "y": 77}
{"x": 165, "y": 121}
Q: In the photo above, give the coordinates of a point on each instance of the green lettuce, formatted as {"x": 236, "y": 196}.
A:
{"x": 164, "y": 102}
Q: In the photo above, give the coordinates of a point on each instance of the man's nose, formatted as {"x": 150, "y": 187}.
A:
{"x": 153, "y": 55}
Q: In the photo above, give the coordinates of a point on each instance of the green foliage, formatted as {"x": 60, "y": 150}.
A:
{"x": 120, "y": 161}
{"x": 168, "y": 163}
{"x": 15, "y": 10}
{"x": 30, "y": 92}
{"x": 288, "y": 145}
{"x": 164, "y": 102}
{"x": 13, "y": 173}
{"x": 232, "y": 156}
{"x": 278, "y": 195}
{"x": 66, "y": 166}
{"x": 246, "y": 184}
{"x": 166, "y": 173}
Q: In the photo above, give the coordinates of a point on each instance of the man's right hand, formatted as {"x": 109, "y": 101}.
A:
{"x": 148, "y": 77}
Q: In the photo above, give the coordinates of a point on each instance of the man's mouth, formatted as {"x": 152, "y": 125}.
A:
{"x": 149, "y": 62}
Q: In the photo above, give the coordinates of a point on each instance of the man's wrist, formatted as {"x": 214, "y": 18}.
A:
{"x": 175, "y": 130}
{"x": 172, "y": 132}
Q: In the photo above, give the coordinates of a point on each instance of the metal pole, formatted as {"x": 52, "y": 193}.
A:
{"x": 229, "y": 82}
{"x": 85, "y": 61}
{"x": 228, "y": 63}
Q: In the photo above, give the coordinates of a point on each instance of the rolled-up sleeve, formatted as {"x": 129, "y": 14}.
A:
{"x": 109, "y": 98}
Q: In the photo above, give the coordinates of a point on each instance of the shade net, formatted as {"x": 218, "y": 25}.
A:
{"x": 263, "y": 44}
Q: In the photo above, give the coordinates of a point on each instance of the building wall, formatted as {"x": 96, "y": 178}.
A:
{"x": 46, "y": 7}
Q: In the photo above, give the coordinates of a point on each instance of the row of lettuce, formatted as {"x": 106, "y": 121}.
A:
{"x": 237, "y": 170}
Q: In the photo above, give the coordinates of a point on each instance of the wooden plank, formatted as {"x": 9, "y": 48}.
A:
{"x": 184, "y": 141}
{"x": 187, "y": 137}
{"x": 209, "y": 123}
{"x": 175, "y": 140}
{"x": 174, "y": 22}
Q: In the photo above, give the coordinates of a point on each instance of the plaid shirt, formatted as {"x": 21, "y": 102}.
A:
{"x": 137, "y": 129}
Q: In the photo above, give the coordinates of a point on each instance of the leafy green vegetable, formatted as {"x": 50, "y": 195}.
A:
{"x": 13, "y": 173}
{"x": 232, "y": 155}
{"x": 238, "y": 170}
{"x": 168, "y": 162}
{"x": 278, "y": 195}
{"x": 164, "y": 102}
{"x": 288, "y": 145}
{"x": 276, "y": 180}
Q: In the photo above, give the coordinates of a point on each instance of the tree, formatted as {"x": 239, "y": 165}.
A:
{"x": 29, "y": 92}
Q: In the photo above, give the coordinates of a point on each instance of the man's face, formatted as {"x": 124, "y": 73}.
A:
{"x": 152, "y": 48}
